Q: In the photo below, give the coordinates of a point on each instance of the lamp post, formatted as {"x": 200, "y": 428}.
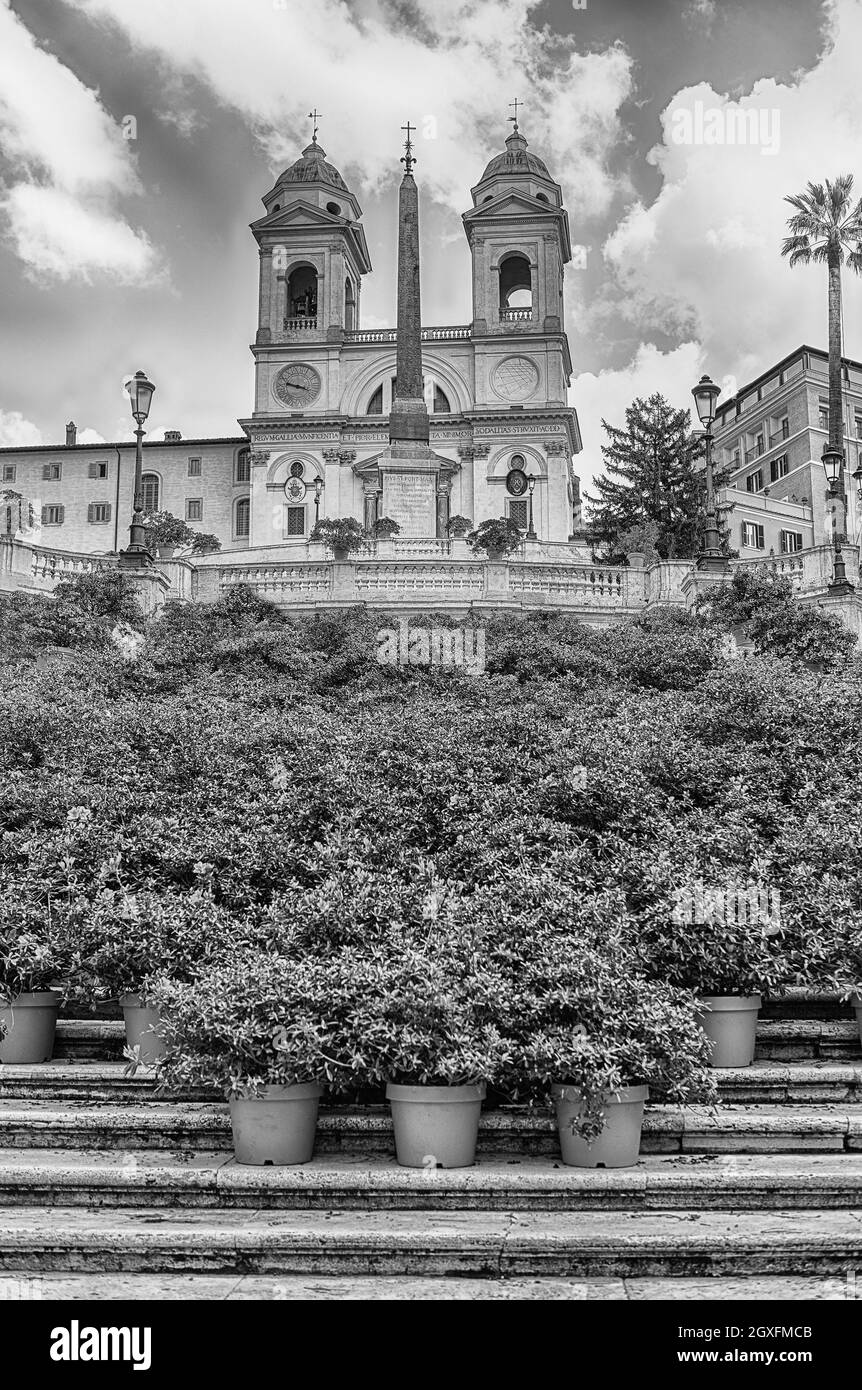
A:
{"x": 318, "y": 488}
{"x": 531, "y": 487}
{"x": 833, "y": 464}
{"x": 706, "y": 393}
{"x": 140, "y": 390}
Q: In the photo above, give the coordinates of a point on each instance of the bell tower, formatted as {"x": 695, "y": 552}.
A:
{"x": 313, "y": 255}
{"x": 518, "y": 232}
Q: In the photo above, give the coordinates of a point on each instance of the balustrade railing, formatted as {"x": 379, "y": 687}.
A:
{"x": 515, "y": 315}
{"x": 299, "y": 325}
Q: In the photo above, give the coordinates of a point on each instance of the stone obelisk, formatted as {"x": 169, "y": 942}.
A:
{"x": 408, "y": 420}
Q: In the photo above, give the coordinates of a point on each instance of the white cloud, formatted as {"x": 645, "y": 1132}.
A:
{"x": 370, "y": 65}
{"x": 89, "y": 436}
{"x": 70, "y": 166}
{"x": 16, "y": 430}
{"x": 704, "y": 259}
{"x": 59, "y": 237}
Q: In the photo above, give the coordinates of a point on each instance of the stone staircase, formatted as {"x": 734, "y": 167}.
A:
{"x": 109, "y": 1189}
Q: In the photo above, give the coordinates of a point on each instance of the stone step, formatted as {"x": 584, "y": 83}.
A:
{"x": 508, "y": 1133}
{"x": 199, "y": 1180}
{"x": 217, "y": 1288}
{"x": 608, "y": 1244}
{"x": 806, "y": 1039}
{"x": 97, "y": 1083}
{"x": 783, "y": 1039}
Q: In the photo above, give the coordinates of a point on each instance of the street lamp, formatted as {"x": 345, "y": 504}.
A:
{"x": 318, "y": 488}
{"x": 140, "y": 390}
{"x": 833, "y": 464}
{"x": 531, "y": 486}
{"x": 706, "y": 393}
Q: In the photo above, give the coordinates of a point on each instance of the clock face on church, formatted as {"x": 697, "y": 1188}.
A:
{"x": 515, "y": 378}
{"x": 297, "y": 386}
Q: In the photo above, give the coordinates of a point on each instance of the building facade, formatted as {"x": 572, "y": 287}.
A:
{"x": 771, "y": 436}
{"x": 495, "y": 391}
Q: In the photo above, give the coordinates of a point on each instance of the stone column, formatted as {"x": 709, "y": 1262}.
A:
{"x": 444, "y": 488}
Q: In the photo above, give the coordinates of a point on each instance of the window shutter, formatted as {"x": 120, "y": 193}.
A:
{"x": 61, "y": 515}
{"x": 46, "y": 472}
{"x": 91, "y": 511}
{"x": 44, "y": 515}
{"x": 107, "y": 511}
{"x": 94, "y": 470}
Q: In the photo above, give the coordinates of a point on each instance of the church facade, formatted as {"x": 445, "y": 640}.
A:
{"x": 501, "y": 438}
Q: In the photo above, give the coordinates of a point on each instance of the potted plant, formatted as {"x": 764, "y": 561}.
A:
{"x": 30, "y": 964}
{"x": 263, "y": 1029}
{"x": 458, "y": 526}
{"x": 122, "y": 938}
{"x": 638, "y": 544}
{"x": 342, "y": 535}
{"x": 166, "y": 532}
{"x": 385, "y": 528}
{"x": 587, "y": 1028}
{"x": 497, "y": 537}
{"x": 421, "y": 1023}
{"x": 722, "y": 939}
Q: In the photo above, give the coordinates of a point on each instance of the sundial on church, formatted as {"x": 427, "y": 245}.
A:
{"x": 515, "y": 378}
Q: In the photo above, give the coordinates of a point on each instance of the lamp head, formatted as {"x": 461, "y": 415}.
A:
{"x": 706, "y": 393}
{"x": 140, "y": 390}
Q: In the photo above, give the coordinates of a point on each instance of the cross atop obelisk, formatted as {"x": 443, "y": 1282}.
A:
{"x": 408, "y": 159}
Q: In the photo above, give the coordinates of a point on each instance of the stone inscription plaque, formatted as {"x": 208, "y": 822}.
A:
{"x": 408, "y": 498}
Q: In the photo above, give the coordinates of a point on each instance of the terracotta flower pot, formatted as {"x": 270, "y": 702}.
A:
{"x": 618, "y": 1145}
{"x": 435, "y": 1126}
{"x": 141, "y": 1029}
{"x": 276, "y": 1127}
{"x": 730, "y": 1023}
{"x": 31, "y": 1020}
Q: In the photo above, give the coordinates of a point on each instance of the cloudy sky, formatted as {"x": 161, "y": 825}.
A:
{"x": 675, "y": 127}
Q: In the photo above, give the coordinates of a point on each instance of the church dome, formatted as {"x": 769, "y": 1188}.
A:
{"x": 312, "y": 167}
{"x": 516, "y": 160}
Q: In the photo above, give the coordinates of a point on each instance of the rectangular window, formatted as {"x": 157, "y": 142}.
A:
{"x": 8, "y": 472}
{"x": 98, "y": 513}
{"x": 785, "y": 428}
{"x": 98, "y": 469}
{"x": 295, "y": 521}
{"x": 754, "y": 481}
{"x": 779, "y": 468}
{"x": 243, "y": 466}
{"x": 194, "y": 509}
{"x": 52, "y": 472}
{"x": 518, "y": 514}
{"x": 194, "y": 468}
{"x": 735, "y": 460}
{"x": 823, "y": 414}
{"x": 752, "y": 535}
{"x": 858, "y": 419}
{"x": 759, "y": 443}
{"x": 791, "y": 541}
{"x": 52, "y": 515}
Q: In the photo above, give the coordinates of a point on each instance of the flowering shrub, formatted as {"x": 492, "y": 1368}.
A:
{"x": 29, "y": 962}
{"x": 765, "y": 607}
{"x": 342, "y": 533}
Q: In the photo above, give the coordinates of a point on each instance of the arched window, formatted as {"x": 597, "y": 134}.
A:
{"x": 150, "y": 488}
{"x": 302, "y": 293}
{"x": 517, "y": 461}
{"x": 375, "y": 405}
{"x": 515, "y": 283}
{"x": 441, "y": 400}
{"x": 243, "y": 466}
{"x": 349, "y": 305}
{"x": 543, "y": 197}
{"x": 297, "y": 468}
{"x": 242, "y": 518}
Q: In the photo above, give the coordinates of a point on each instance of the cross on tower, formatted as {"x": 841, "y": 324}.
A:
{"x": 314, "y": 116}
{"x": 408, "y": 159}
{"x": 514, "y": 119}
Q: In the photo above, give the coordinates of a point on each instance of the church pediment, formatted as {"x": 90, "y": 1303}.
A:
{"x": 298, "y": 214}
{"x": 510, "y": 203}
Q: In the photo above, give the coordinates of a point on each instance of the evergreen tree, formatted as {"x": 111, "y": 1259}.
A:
{"x": 655, "y": 484}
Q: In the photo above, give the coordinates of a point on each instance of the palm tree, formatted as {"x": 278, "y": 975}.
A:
{"x": 827, "y": 228}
